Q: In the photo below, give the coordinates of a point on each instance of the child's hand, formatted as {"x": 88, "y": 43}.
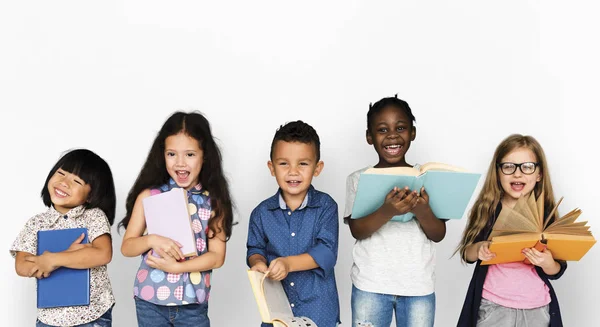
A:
{"x": 422, "y": 206}
{"x": 278, "y": 269}
{"x": 544, "y": 259}
{"x": 43, "y": 265}
{"x": 165, "y": 263}
{"x": 400, "y": 201}
{"x": 76, "y": 245}
{"x": 260, "y": 267}
{"x": 168, "y": 247}
{"x": 484, "y": 253}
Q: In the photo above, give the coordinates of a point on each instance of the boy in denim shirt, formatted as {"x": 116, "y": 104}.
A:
{"x": 293, "y": 235}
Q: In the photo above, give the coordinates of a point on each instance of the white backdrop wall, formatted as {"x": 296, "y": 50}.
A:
{"x": 106, "y": 75}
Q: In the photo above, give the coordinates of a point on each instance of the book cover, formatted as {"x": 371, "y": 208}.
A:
{"x": 449, "y": 188}
{"x": 65, "y": 286}
{"x": 167, "y": 215}
{"x": 524, "y": 227}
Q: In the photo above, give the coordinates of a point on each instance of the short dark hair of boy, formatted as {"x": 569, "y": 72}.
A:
{"x": 389, "y": 102}
{"x": 297, "y": 131}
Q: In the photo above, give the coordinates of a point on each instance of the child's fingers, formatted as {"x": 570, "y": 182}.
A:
{"x": 424, "y": 194}
{"x": 80, "y": 238}
{"x": 33, "y": 271}
{"x": 391, "y": 194}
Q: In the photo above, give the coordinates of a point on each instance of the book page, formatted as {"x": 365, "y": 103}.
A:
{"x": 441, "y": 167}
{"x": 278, "y": 304}
{"x": 407, "y": 171}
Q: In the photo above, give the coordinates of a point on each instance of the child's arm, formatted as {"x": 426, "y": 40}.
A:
{"x": 322, "y": 256}
{"x": 256, "y": 244}
{"x": 479, "y": 251}
{"x": 397, "y": 202}
{"x": 135, "y": 244}
{"x": 258, "y": 263}
{"x": 98, "y": 254}
{"x": 22, "y": 266}
{"x": 212, "y": 259}
{"x": 434, "y": 228}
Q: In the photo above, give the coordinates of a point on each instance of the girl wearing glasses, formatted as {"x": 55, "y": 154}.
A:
{"x": 510, "y": 294}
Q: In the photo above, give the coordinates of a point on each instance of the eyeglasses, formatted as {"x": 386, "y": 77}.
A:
{"x": 509, "y": 168}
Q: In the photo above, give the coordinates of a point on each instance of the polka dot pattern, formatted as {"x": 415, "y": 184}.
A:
{"x": 169, "y": 289}
{"x": 147, "y": 292}
{"x": 200, "y": 245}
{"x": 163, "y": 293}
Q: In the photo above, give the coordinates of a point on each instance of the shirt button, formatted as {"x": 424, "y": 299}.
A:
{"x": 293, "y": 234}
{"x": 65, "y": 216}
{"x": 289, "y": 213}
{"x": 292, "y": 305}
{"x": 292, "y": 284}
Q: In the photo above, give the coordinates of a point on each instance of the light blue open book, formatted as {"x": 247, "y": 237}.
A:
{"x": 450, "y": 189}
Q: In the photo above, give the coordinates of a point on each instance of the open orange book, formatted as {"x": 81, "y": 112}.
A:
{"x": 273, "y": 304}
{"x": 523, "y": 227}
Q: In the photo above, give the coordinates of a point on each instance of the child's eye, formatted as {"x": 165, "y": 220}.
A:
{"x": 304, "y": 164}
{"x": 191, "y": 154}
{"x": 400, "y": 129}
{"x": 170, "y": 154}
{"x": 382, "y": 130}
{"x": 60, "y": 173}
{"x": 283, "y": 163}
{"x": 78, "y": 182}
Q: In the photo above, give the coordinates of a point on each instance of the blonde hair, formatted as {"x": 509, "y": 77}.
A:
{"x": 492, "y": 192}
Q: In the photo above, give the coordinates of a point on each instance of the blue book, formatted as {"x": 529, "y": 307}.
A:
{"x": 450, "y": 189}
{"x": 65, "y": 286}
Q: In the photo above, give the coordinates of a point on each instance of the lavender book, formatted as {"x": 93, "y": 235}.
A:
{"x": 167, "y": 215}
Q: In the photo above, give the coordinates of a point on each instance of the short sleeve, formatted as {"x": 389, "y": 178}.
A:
{"x": 351, "y": 185}
{"x": 27, "y": 239}
{"x": 97, "y": 223}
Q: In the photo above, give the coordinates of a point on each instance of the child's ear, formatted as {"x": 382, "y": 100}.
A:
{"x": 271, "y": 168}
{"x": 413, "y": 134}
{"x": 369, "y": 138}
{"x": 319, "y": 168}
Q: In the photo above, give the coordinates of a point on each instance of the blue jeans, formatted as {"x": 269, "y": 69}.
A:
{"x": 104, "y": 321}
{"x": 375, "y": 310}
{"x": 153, "y": 315}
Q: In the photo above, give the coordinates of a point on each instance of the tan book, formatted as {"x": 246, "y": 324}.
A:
{"x": 273, "y": 304}
{"x": 523, "y": 227}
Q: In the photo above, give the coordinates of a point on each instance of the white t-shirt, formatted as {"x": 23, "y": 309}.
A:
{"x": 397, "y": 259}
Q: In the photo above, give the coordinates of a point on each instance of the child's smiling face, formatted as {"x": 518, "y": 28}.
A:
{"x": 518, "y": 184}
{"x": 391, "y": 133}
{"x": 67, "y": 190}
{"x": 294, "y": 165}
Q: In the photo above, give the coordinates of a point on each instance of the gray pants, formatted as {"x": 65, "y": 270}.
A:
{"x": 492, "y": 314}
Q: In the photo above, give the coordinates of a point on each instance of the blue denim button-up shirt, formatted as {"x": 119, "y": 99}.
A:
{"x": 276, "y": 231}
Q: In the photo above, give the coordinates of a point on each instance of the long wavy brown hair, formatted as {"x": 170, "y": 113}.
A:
{"x": 492, "y": 192}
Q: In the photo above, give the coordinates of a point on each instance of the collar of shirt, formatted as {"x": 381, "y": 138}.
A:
{"x": 277, "y": 201}
{"x": 53, "y": 214}
{"x": 194, "y": 190}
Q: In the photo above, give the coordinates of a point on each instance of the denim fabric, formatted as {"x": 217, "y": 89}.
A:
{"x": 375, "y": 310}
{"x": 189, "y": 315}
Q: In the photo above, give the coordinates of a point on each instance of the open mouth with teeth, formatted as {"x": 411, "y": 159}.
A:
{"x": 392, "y": 149}
{"x": 293, "y": 183}
{"x": 182, "y": 175}
{"x": 517, "y": 186}
{"x": 60, "y": 194}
